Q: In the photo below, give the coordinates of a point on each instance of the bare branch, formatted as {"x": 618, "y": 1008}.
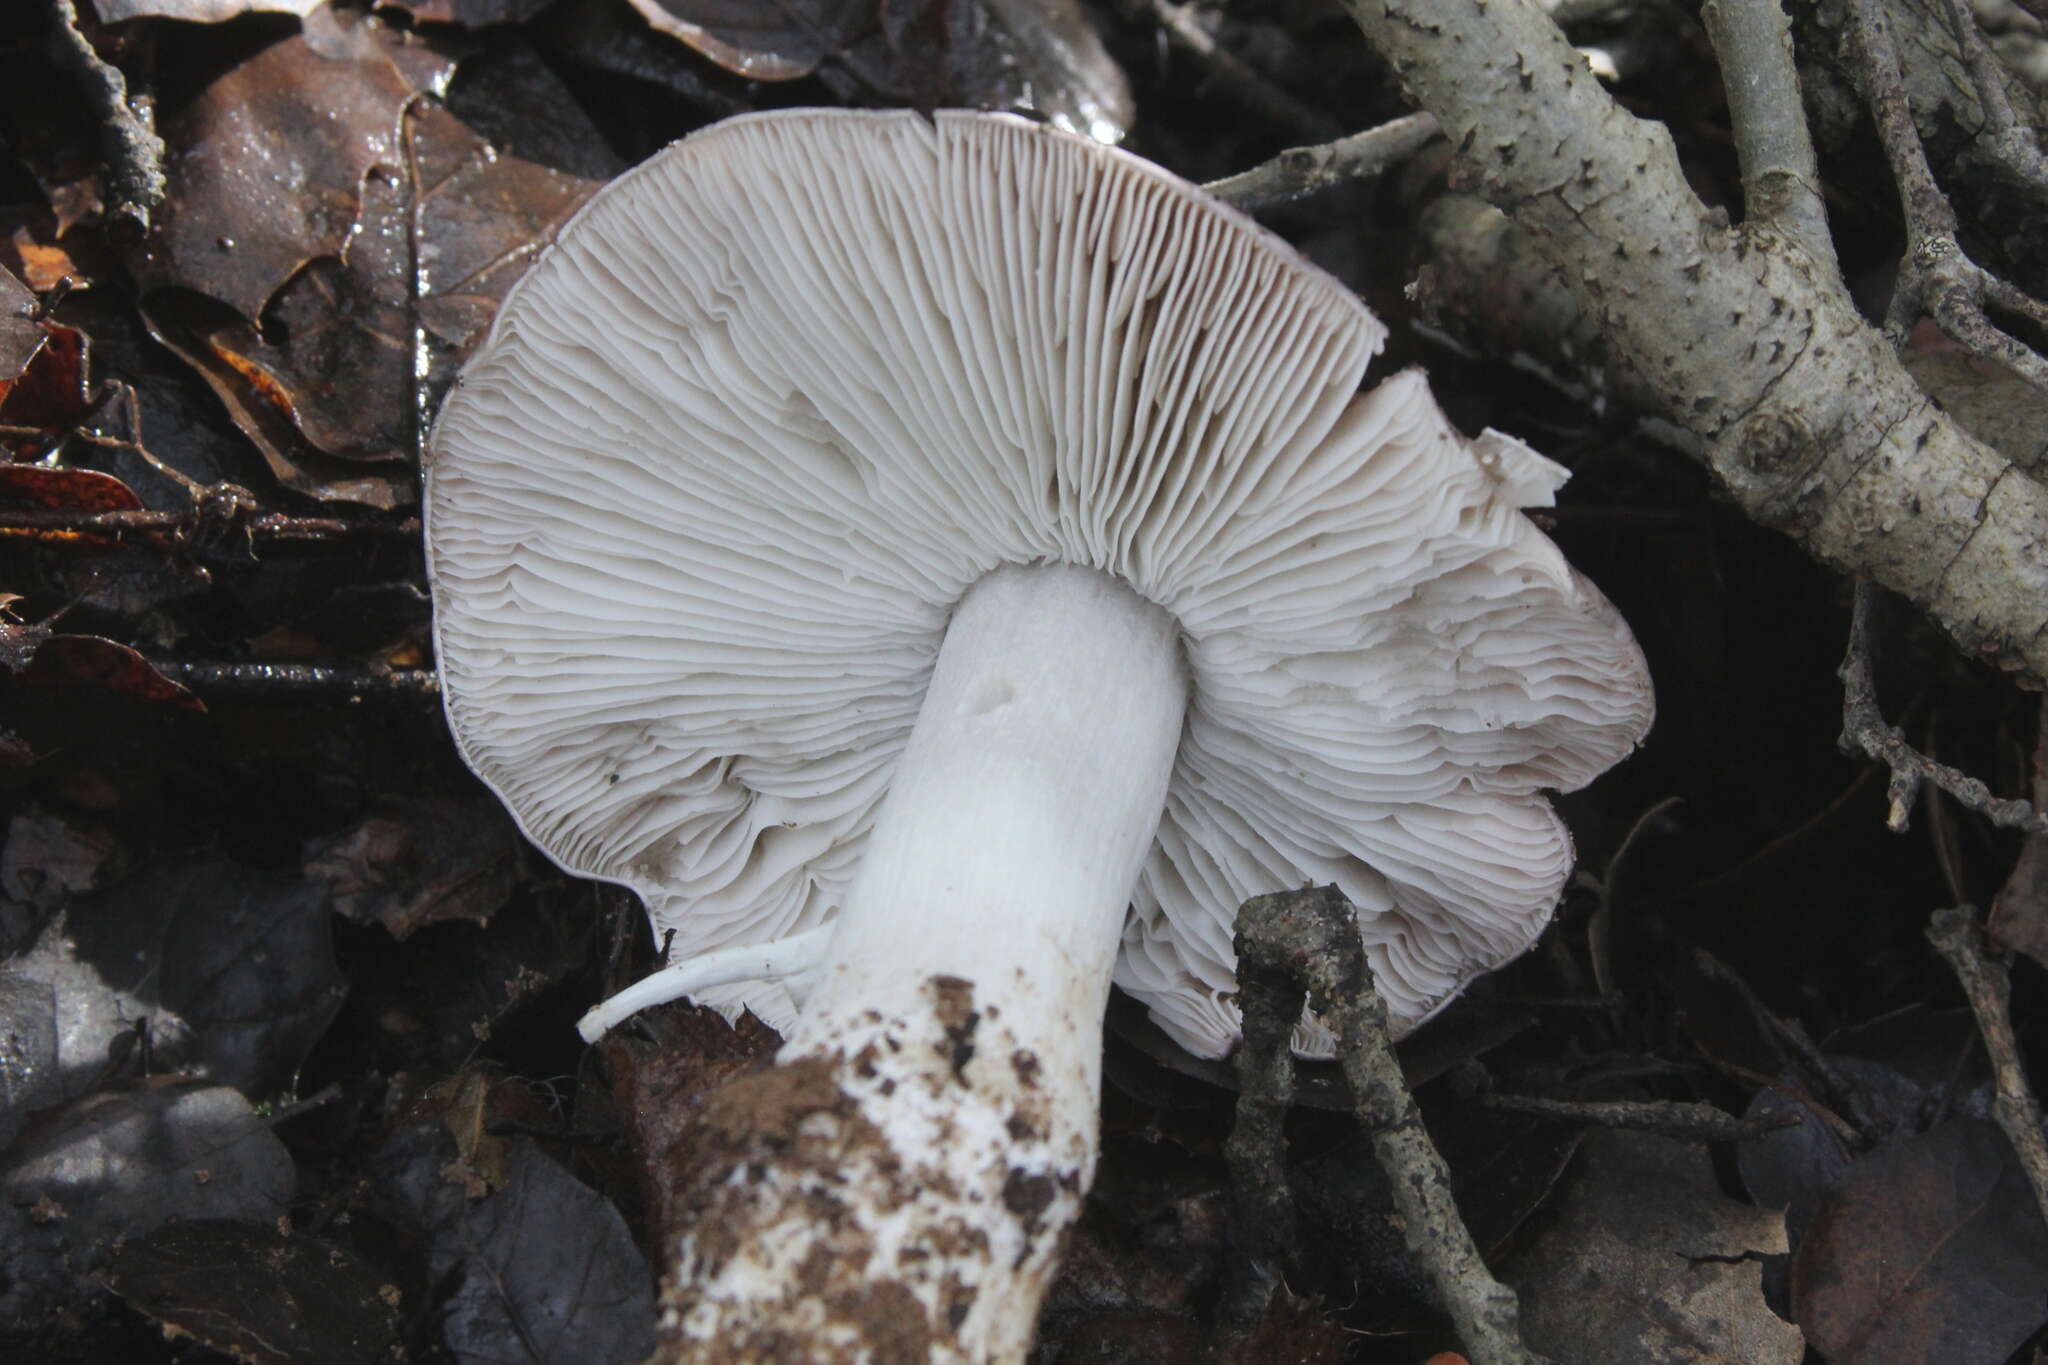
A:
{"x": 182, "y": 527}
{"x": 300, "y": 683}
{"x": 1958, "y": 936}
{"x": 1301, "y": 171}
{"x": 1803, "y": 411}
{"x": 1780, "y": 173}
{"x": 1684, "y": 1120}
{"x": 1864, "y": 731}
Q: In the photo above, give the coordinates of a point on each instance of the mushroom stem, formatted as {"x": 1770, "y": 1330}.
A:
{"x": 899, "y": 1186}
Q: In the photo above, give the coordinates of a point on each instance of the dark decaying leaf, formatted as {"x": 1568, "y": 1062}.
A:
{"x": 541, "y": 1271}
{"x": 261, "y": 1295}
{"x": 116, "y": 1164}
{"x": 1793, "y": 1167}
{"x": 416, "y": 860}
{"x": 49, "y": 858}
{"x": 94, "y": 664}
{"x": 335, "y": 235}
{"x": 1043, "y": 55}
{"x": 51, "y": 392}
{"x": 1645, "y": 1259}
{"x": 20, "y": 335}
{"x": 1931, "y": 1248}
{"x": 240, "y": 959}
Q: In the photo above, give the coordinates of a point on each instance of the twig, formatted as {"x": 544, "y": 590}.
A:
{"x": 1250, "y": 89}
{"x": 134, "y": 153}
{"x": 1864, "y": 731}
{"x": 1262, "y": 1208}
{"x": 1301, "y": 171}
{"x": 1780, "y": 174}
{"x": 1855, "y": 1122}
{"x": 2003, "y": 139}
{"x": 1958, "y": 937}
{"x": 1309, "y": 939}
{"x": 1936, "y": 277}
{"x": 302, "y": 682}
{"x": 269, "y": 526}
{"x": 1688, "y": 1122}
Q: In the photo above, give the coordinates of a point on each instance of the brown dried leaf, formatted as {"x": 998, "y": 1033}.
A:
{"x": 51, "y": 393}
{"x": 20, "y": 336}
{"x": 1928, "y": 1249}
{"x": 199, "y": 11}
{"x": 1648, "y": 1260}
{"x": 73, "y": 490}
{"x": 335, "y": 235}
{"x": 416, "y": 861}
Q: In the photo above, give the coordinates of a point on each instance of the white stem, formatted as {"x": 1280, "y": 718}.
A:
{"x": 907, "y": 1173}
{"x": 781, "y": 960}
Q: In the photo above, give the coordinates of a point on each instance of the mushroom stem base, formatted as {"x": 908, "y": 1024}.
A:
{"x": 899, "y": 1187}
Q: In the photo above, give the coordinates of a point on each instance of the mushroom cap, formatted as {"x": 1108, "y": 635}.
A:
{"x": 704, "y": 499}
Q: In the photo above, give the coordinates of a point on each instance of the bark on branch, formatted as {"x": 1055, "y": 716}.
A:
{"x": 1804, "y": 412}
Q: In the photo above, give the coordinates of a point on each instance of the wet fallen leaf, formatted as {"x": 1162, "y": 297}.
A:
{"x": 542, "y": 1270}
{"x": 1931, "y": 1248}
{"x": 342, "y": 219}
{"x": 20, "y": 336}
{"x": 233, "y": 968}
{"x": 259, "y": 1294}
{"x": 29, "y": 1079}
{"x": 72, "y": 490}
{"x": 49, "y": 858}
{"x": 66, "y": 662}
{"x": 116, "y": 1164}
{"x": 1043, "y": 55}
{"x": 50, "y": 394}
{"x": 43, "y": 265}
{"x": 1647, "y": 1260}
{"x": 198, "y": 11}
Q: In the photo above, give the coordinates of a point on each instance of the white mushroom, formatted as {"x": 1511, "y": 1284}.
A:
{"x": 940, "y": 564}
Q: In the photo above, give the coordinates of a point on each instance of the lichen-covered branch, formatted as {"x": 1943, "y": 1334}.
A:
{"x": 1805, "y": 414}
{"x": 1293, "y": 941}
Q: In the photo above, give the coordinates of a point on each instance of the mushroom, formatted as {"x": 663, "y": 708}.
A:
{"x": 942, "y": 564}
